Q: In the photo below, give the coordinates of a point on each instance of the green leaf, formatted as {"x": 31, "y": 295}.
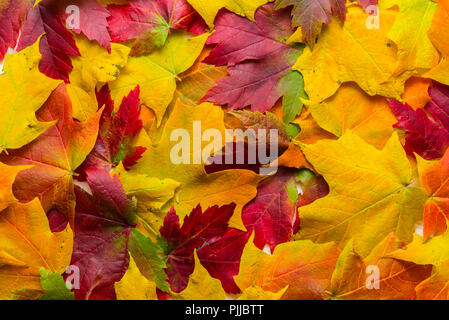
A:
{"x": 54, "y": 286}
{"x": 148, "y": 258}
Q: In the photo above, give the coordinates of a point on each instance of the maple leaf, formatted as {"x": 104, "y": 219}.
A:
{"x": 415, "y": 50}
{"x": 272, "y": 213}
{"x": 397, "y": 279}
{"x": 12, "y": 14}
{"x": 203, "y": 287}
{"x": 134, "y": 286}
{"x": 438, "y": 33}
{"x": 257, "y": 58}
{"x": 328, "y": 66}
{"x": 116, "y": 131}
{"x": 432, "y": 252}
{"x": 93, "y": 68}
{"x": 196, "y": 186}
{"x": 313, "y": 187}
{"x": 8, "y": 175}
{"x": 150, "y": 22}
{"x": 222, "y": 258}
{"x": 93, "y": 21}
{"x": 242, "y": 149}
{"x": 156, "y": 74}
{"x": 198, "y": 79}
{"x": 54, "y": 286}
{"x": 372, "y": 193}
{"x": 55, "y": 155}
{"x": 428, "y": 137}
{"x": 198, "y": 229}
{"x": 103, "y": 235}
{"x": 310, "y": 15}
{"x": 22, "y": 98}
{"x": 56, "y": 44}
{"x": 352, "y": 109}
{"x": 208, "y": 10}
{"x": 26, "y": 245}
{"x": 305, "y": 267}
{"x": 434, "y": 176}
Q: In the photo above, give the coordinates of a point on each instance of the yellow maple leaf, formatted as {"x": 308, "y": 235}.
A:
{"x": 432, "y": 252}
{"x": 94, "y": 67}
{"x": 305, "y": 267}
{"x": 351, "y": 52}
{"x": 352, "y": 109}
{"x": 438, "y": 34}
{"x": 24, "y": 91}
{"x": 392, "y": 279}
{"x": 415, "y": 51}
{"x": 156, "y": 74}
{"x": 26, "y": 245}
{"x": 7, "y": 177}
{"x": 134, "y": 286}
{"x": 196, "y": 187}
{"x": 372, "y": 193}
{"x": 209, "y": 9}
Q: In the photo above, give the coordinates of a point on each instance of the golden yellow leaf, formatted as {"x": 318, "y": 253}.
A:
{"x": 438, "y": 34}
{"x": 415, "y": 51}
{"x": 432, "y": 252}
{"x": 94, "y": 67}
{"x": 196, "y": 187}
{"x": 7, "y": 177}
{"x": 351, "y": 52}
{"x": 134, "y": 286}
{"x": 372, "y": 193}
{"x": 24, "y": 91}
{"x": 26, "y": 245}
{"x": 352, "y": 279}
{"x": 352, "y": 109}
{"x": 305, "y": 267}
{"x": 209, "y": 9}
{"x": 157, "y": 73}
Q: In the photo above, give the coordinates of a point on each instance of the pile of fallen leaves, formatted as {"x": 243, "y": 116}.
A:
{"x": 92, "y": 205}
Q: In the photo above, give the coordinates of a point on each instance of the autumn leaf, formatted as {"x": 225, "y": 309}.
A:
{"x": 208, "y": 10}
{"x": 397, "y": 279}
{"x": 8, "y": 175}
{"x": 438, "y": 34}
{"x": 434, "y": 176}
{"x": 26, "y": 245}
{"x": 198, "y": 229}
{"x": 303, "y": 266}
{"x": 352, "y": 109}
{"x": 116, "y": 130}
{"x": 427, "y": 129}
{"x": 22, "y": 98}
{"x": 257, "y": 58}
{"x": 310, "y": 15}
{"x": 156, "y": 74}
{"x": 370, "y": 192}
{"x": 12, "y": 14}
{"x": 54, "y": 286}
{"x": 54, "y": 156}
{"x": 95, "y": 66}
{"x": 56, "y": 44}
{"x": 432, "y": 252}
{"x": 328, "y": 66}
{"x": 149, "y": 23}
{"x": 272, "y": 214}
{"x": 415, "y": 51}
{"x": 134, "y": 286}
{"x": 103, "y": 234}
